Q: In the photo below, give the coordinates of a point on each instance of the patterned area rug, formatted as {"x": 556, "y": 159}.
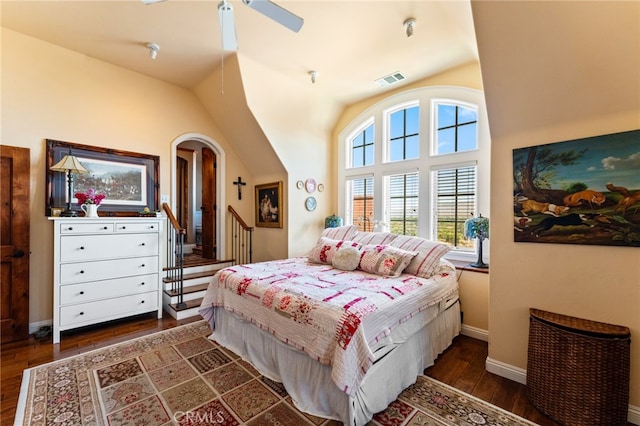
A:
{"x": 179, "y": 377}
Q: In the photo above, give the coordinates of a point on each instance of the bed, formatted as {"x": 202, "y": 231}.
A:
{"x": 343, "y": 341}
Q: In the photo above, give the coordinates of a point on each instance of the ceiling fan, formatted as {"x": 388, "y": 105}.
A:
{"x": 266, "y": 7}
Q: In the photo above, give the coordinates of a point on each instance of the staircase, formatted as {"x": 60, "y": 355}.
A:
{"x": 188, "y": 274}
{"x": 197, "y": 274}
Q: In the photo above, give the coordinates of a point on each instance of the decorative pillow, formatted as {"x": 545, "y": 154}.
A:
{"x": 326, "y": 248}
{"x": 373, "y": 237}
{"x": 384, "y": 260}
{"x": 429, "y": 253}
{"x": 346, "y": 258}
{"x": 341, "y": 233}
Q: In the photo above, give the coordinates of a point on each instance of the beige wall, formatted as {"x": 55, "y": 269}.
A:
{"x": 556, "y": 71}
{"x": 50, "y": 92}
{"x": 474, "y": 303}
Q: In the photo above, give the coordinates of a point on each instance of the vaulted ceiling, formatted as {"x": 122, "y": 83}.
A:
{"x": 350, "y": 43}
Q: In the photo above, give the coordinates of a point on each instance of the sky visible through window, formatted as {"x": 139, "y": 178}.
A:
{"x": 454, "y": 188}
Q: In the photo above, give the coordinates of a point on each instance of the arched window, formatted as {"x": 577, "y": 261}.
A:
{"x": 417, "y": 163}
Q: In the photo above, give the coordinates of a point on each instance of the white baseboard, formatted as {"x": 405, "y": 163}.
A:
{"x": 634, "y": 415}
{"x": 505, "y": 370}
{"x": 35, "y": 326}
{"x": 476, "y": 333}
{"x": 520, "y": 375}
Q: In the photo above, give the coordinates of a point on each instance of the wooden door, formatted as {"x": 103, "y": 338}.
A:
{"x": 208, "y": 203}
{"x": 14, "y": 243}
{"x": 182, "y": 204}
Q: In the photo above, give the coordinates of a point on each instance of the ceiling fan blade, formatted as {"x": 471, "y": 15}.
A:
{"x": 277, "y": 13}
{"x": 227, "y": 26}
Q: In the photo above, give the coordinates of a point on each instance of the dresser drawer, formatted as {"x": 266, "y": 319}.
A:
{"x": 96, "y": 290}
{"x": 91, "y": 312}
{"x": 80, "y": 248}
{"x": 138, "y": 227}
{"x": 88, "y": 227}
{"x": 71, "y": 273}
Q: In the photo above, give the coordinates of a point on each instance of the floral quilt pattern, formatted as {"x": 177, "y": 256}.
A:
{"x": 334, "y": 316}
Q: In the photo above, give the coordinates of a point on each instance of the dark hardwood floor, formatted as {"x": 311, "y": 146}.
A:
{"x": 461, "y": 366}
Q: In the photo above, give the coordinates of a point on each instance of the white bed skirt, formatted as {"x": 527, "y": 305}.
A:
{"x": 309, "y": 383}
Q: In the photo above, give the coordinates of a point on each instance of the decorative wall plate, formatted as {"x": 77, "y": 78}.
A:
{"x": 311, "y": 203}
{"x": 320, "y": 187}
{"x": 299, "y": 184}
{"x": 311, "y": 185}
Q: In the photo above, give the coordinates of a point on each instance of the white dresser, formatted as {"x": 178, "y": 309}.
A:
{"x": 105, "y": 268}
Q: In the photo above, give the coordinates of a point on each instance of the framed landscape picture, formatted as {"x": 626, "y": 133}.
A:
{"x": 583, "y": 191}
{"x": 129, "y": 180}
{"x": 269, "y": 205}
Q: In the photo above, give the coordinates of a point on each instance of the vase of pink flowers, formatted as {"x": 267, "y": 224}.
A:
{"x": 89, "y": 202}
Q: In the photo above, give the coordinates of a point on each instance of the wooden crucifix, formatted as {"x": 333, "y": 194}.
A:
{"x": 240, "y": 184}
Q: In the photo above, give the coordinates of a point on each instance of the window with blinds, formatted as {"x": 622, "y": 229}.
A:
{"x": 454, "y": 191}
{"x": 417, "y": 164}
{"x": 402, "y": 203}
{"x": 361, "y": 191}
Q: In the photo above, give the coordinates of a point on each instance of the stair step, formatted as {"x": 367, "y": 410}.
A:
{"x": 188, "y": 290}
{"x": 186, "y": 277}
{"x": 190, "y": 304}
{"x": 199, "y": 262}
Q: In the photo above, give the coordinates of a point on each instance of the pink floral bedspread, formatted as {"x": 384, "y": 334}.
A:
{"x": 334, "y": 316}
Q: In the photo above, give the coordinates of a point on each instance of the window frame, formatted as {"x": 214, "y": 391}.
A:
{"x": 349, "y": 143}
{"x": 386, "y": 127}
{"x": 426, "y": 98}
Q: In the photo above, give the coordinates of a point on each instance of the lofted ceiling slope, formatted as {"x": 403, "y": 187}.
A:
{"x": 350, "y": 43}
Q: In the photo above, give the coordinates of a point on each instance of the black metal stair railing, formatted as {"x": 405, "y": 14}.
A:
{"x": 241, "y": 249}
{"x": 175, "y": 256}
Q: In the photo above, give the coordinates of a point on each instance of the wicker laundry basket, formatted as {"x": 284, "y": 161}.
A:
{"x": 578, "y": 370}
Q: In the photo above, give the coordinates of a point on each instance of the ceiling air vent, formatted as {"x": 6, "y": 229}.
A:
{"x": 390, "y": 79}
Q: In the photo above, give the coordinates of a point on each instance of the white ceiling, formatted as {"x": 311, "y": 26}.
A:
{"x": 350, "y": 43}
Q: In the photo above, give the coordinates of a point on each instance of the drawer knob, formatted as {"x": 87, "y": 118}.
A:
{"x": 105, "y": 228}
{"x": 142, "y": 244}
{"x": 143, "y": 265}
{"x": 81, "y": 313}
{"x": 70, "y": 228}
{"x": 124, "y": 227}
{"x": 82, "y": 271}
{"x": 82, "y": 292}
{"x": 142, "y": 301}
{"x": 142, "y": 283}
{"x": 81, "y": 247}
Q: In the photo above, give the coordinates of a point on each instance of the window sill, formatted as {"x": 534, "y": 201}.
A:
{"x": 466, "y": 266}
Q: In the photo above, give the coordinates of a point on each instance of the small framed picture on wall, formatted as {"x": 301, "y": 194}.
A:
{"x": 269, "y": 205}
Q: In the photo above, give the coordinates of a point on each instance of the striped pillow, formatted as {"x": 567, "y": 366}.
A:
{"x": 373, "y": 237}
{"x": 426, "y": 262}
{"x": 340, "y": 233}
{"x": 383, "y": 260}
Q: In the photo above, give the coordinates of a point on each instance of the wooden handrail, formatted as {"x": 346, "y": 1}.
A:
{"x": 172, "y": 219}
{"x": 239, "y": 219}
